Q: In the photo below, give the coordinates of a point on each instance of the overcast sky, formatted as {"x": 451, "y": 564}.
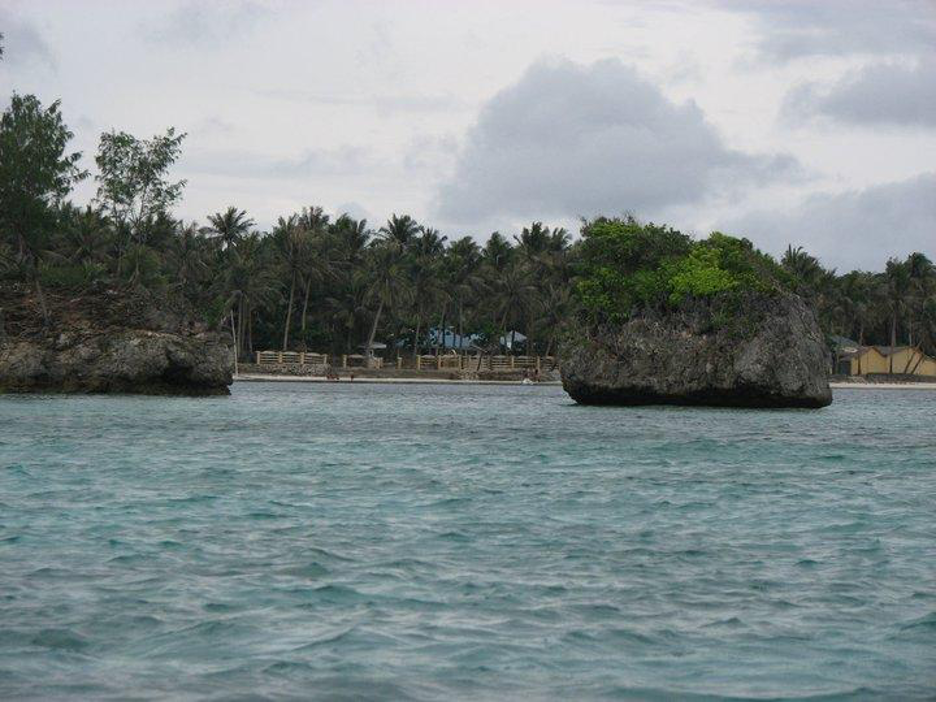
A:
{"x": 801, "y": 122}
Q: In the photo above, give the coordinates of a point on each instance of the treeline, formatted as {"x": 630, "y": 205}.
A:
{"x": 337, "y": 284}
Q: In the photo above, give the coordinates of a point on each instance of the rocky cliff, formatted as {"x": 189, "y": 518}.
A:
{"x": 108, "y": 341}
{"x": 752, "y": 350}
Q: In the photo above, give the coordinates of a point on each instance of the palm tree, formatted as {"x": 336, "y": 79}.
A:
{"x": 426, "y": 271}
{"x": 922, "y": 284}
{"x": 251, "y": 281}
{"x": 388, "y": 284}
{"x": 402, "y": 230}
{"x": 463, "y": 262}
{"x": 293, "y": 244}
{"x": 229, "y": 226}
{"x": 896, "y": 287}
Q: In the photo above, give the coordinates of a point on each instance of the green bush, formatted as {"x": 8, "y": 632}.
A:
{"x": 626, "y": 266}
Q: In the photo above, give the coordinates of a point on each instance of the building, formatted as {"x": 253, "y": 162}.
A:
{"x": 884, "y": 360}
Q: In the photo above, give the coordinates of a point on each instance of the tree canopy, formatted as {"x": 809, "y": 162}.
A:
{"x": 627, "y": 265}
{"x": 336, "y": 284}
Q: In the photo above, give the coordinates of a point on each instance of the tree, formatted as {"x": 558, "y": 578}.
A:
{"x": 36, "y": 174}
{"x": 388, "y": 284}
{"x": 230, "y": 226}
{"x": 133, "y": 185}
{"x": 292, "y": 242}
{"x": 897, "y": 284}
{"x": 401, "y": 230}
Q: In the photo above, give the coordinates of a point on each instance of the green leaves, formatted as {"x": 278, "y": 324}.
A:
{"x": 132, "y": 184}
{"x": 627, "y": 265}
{"x": 699, "y": 274}
{"x": 35, "y": 172}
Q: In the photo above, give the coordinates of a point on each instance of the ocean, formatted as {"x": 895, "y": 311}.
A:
{"x": 427, "y": 542}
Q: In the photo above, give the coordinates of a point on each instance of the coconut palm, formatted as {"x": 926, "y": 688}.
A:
{"x": 388, "y": 284}
{"x": 400, "y": 229}
{"x": 229, "y": 226}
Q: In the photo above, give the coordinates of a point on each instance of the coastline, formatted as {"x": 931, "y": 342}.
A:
{"x": 883, "y": 386}
{"x": 269, "y": 378}
{"x": 264, "y": 378}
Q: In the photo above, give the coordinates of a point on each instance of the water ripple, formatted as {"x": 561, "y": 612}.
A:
{"x": 421, "y": 542}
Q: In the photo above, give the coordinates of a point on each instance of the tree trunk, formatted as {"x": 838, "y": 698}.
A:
{"x": 893, "y": 343}
{"x": 250, "y": 346}
{"x": 373, "y": 333}
{"x": 292, "y": 292}
{"x": 440, "y": 330}
{"x": 40, "y": 295}
{"x": 234, "y": 338}
{"x": 305, "y": 308}
{"x": 239, "y": 342}
{"x": 416, "y": 337}
{"x": 909, "y": 361}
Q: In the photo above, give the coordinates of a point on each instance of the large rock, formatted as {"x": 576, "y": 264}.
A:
{"x": 754, "y": 351}
{"x": 106, "y": 343}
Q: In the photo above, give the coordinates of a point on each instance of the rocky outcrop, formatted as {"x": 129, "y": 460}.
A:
{"x": 754, "y": 350}
{"x": 110, "y": 342}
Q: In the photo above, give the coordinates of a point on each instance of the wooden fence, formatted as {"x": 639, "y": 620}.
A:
{"x": 463, "y": 362}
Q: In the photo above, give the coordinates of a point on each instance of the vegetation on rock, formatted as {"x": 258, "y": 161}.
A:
{"x": 627, "y": 266}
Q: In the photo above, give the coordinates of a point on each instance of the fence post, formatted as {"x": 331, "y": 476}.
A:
{"x": 399, "y": 361}
{"x": 438, "y": 363}
{"x": 279, "y": 357}
{"x": 511, "y": 363}
{"x": 344, "y": 360}
{"x": 418, "y": 362}
{"x": 538, "y": 363}
{"x": 302, "y": 358}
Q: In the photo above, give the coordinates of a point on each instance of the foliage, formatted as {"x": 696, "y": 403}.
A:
{"x": 627, "y": 265}
{"x": 132, "y": 183}
{"x": 35, "y": 172}
{"x": 336, "y": 284}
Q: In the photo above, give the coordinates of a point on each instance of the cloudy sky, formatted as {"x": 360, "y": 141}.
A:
{"x": 801, "y": 122}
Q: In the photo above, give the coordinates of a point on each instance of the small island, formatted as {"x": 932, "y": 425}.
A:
{"x": 667, "y": 320}
{"x": 108, "y": 340}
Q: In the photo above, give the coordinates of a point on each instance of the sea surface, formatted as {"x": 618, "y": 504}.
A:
{"x": 352, "y": 541}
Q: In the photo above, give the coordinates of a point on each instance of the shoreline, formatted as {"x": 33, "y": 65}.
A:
{"x": 270, "y": 378}
{"x": 883, "y": 386}
{"x": 264, "y": 378}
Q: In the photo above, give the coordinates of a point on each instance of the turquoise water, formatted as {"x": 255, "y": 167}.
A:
{"x": 301, "y": 541}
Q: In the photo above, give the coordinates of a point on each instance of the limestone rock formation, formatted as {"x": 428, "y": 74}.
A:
{"x": 109, "y": 342}
{"x": 758, "y": 350}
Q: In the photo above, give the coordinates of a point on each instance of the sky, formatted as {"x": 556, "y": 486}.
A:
{"x": 791, "y": 122}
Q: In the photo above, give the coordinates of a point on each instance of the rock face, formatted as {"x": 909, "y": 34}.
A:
{"x": 106, "y": 343}
{"x": 756, "y": 351}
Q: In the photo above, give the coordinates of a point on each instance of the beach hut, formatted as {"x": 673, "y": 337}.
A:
{"x": 886, "y": 360}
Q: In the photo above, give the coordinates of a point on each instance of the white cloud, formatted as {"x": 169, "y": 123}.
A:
{"x": 853, "y": 229}
{"x": 790, "y": 29}
{"x": 570, "y": 140}
{"x": 22, "y": 41}
{"x": 878, "y": 94}
{"x": 196, "y": 24}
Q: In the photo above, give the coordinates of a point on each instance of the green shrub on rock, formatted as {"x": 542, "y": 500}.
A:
{"x": 627, "y": 266}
